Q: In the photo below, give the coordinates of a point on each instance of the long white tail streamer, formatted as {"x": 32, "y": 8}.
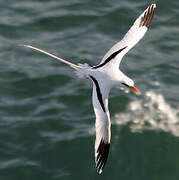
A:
{"x": 55, "y": 57}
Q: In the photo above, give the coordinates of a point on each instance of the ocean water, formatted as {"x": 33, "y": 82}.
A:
{"x": 46, "y": 114}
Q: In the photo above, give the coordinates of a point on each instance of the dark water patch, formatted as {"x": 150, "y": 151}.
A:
{"x": 149, "y": 154}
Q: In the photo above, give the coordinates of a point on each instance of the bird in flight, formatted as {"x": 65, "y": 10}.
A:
{"x": 106, "y": 75}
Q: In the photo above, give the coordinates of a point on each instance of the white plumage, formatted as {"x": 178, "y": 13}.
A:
{"x": 107, "y": 75}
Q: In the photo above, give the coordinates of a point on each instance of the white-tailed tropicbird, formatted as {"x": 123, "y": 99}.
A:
{"x": 107, "y": 75}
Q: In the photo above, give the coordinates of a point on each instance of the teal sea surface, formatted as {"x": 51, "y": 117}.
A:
{"x": 46, "y": 114}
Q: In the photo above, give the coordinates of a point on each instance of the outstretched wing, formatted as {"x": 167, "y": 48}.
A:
{"x": 102, "y": 125}
{"x": 131, "y": 38}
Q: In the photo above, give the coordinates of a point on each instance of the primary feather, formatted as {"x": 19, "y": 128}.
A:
{"x": 134, "y": 34}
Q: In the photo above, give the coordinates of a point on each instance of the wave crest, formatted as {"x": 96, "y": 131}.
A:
{"x": 152, "y": 112}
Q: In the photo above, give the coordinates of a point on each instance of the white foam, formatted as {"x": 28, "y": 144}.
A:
{"x": 152, "y": 112}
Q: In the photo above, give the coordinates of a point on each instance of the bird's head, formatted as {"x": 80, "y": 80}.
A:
{"x": 130, "y": 84}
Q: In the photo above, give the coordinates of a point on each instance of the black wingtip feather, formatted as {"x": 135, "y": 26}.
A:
{"x": 148, "y": 16}
{"x": 103, "y": 151}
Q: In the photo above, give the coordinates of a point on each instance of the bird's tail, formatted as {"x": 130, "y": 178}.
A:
{"x": 82, "y": 70}
{"x": 53, "y": 56}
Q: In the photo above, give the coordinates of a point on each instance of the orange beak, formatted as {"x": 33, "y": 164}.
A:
{"x": 135, "y": 89}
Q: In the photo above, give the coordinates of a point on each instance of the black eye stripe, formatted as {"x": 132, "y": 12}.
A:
{"x": 125, "y": 84}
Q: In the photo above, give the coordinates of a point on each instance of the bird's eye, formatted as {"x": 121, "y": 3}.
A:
{"x": 125, "y": 85}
